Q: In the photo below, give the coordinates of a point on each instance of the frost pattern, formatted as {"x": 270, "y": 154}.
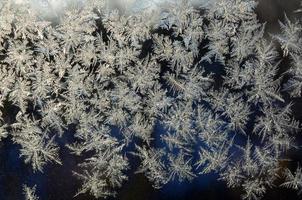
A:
{"x": 30, "y": 193}
{"x": 207, "y": 76}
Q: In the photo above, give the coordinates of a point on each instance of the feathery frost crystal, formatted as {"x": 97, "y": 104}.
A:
{"x": 202, "y": 71}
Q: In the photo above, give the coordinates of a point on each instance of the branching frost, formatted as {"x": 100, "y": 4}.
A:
{"x": 194, "y": 90}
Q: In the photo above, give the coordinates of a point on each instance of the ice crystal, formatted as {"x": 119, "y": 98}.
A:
{"x": 202, "y": 71}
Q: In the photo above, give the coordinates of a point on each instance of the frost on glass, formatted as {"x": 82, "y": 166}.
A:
{"x": 202, "y": 71}
{"x": 30, "y": 193}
